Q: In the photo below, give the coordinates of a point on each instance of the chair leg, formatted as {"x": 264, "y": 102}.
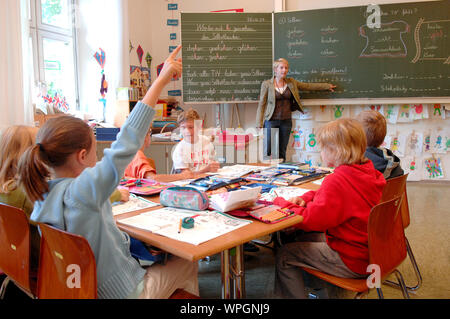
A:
{"x": 416, "y": 271}
{"x": 415, "y": 266}
{"x": 3, "y": 287}
{"x": 402, "y": 284}
{"x": 380, "y": 293}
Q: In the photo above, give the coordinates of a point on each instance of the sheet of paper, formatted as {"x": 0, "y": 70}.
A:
{"x": 135, "y": 203}
{"x": 228, "y": 201}
{"x": 285, "y": 192}
{"x": 165, "y": 222}
{"x": 235, "y": 171}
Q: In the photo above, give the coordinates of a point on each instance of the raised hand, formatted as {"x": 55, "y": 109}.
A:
{"x": 172, "y": 66}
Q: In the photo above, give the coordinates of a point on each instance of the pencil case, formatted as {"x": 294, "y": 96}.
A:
{"x": 184, "y": 197}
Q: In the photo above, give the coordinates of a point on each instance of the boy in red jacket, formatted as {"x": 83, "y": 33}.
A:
{"x": 338, "y": 213}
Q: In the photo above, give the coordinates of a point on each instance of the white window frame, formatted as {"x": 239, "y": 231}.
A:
{"x": 39, "y": 30}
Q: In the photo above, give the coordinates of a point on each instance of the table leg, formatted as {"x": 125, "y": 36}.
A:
{"x": 226, "y": 278}
{"x": 239, "y": 273}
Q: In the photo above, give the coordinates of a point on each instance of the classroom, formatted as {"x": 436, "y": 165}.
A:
{"x": 258, "y": 150}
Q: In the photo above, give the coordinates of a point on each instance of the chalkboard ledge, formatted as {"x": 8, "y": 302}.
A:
{"x": 358, "y": 101}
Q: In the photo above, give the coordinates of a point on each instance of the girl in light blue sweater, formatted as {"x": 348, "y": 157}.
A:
{"x": 76, "y": 199}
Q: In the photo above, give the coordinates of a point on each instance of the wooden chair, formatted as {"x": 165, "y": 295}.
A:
{"x": 67, "y": 268}
{"x": 386, "y": 248}
{"x": 395, "y": 187}
{"x": 15, "y": 250}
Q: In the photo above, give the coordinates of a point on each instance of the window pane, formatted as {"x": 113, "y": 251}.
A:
{"x": 59, "y": 70}
{"x": 56, "y": 13}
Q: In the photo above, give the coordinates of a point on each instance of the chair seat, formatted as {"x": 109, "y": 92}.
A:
{"x": 183, "y": 294}
{"x": 357, "y": 285}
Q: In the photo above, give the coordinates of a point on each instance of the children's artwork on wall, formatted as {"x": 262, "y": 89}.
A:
{"x": 398, "y": 145}
{"x": 419, "y": 111}
{"x": 391, "y": 113}
{"x": 130, "y": 47}
{"x": 438, "y": 111}
{"x": 404, "y": 115}
{"x": 101, "y": 59}
{"x": 148, "y": 59}
{"x": 415, "y": 143}
{"x": 427, "y": 142}
{"x": 340, "y": 111}
{"x": 311, "y": 141}
{"x": 433, "y": 168}
{"x": 413, "y": 166}
{"x": 323, "y": 113}
{"x": 140, "y": 79}
{"x": 375, "y": 107}
{"x": 438, "y": 141}
{"x": 298, "y": 142}
{"x": 140, "y": 54}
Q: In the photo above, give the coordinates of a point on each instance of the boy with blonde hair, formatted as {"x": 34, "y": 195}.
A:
{"x": 195, "y": 152}
{"x": 337, "y": 213}
{"x": 374, "y": 125}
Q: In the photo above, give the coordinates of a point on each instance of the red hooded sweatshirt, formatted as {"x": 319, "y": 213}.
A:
{"x": 341, "y": 209}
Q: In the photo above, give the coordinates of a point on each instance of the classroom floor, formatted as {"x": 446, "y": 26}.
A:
{"x": 428, "y": 235}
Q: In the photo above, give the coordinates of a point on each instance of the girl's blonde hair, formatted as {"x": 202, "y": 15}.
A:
{"x": 276, "y": 63}
{"x": 344, "y": 140}
{"x": 57, "y": 139}
{"x": 14, "y": 141}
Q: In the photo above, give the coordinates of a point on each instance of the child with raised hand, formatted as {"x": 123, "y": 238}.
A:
{"x": 374, "y": 125}
{"x": 77, "y": 200}
{"x": 337, "y": 213}
{"x": 195, "y": 152}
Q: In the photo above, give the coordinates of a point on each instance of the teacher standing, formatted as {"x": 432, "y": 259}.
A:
{"x": 278, "y": 99}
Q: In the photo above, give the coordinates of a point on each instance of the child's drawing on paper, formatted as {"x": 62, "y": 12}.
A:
{"x": 298, "y": 139}
{"x": 392, "y": 113}
{"x": 404, "y": 114}
{"x": 415, "y": 143}
{"x": 433, "y": 168}
{"x": 413, "y": 167}
{"x": 420, "y": 111}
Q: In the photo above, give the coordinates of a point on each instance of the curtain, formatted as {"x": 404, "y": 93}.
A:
{"x": 103, "y": 24}
{"x": 15, "y": 69}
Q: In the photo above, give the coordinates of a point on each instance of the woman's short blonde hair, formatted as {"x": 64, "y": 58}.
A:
{"x": 276, "y": 63}
{"x": 344, "y": 141}
{"x": 374, "y": 125}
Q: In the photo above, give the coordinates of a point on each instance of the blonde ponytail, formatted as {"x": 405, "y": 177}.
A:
{"x": 33, "y": 174}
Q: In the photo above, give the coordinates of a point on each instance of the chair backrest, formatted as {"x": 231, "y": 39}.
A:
{"x": 387, "y": 244}
{"x": 15, "y": 245}
{"x": 67, "y": 268}
{"x": 395, "y": 187}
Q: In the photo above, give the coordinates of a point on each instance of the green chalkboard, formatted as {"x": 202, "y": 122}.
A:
{"x": 226, "y": 56}
{"x": 408, "y": 56}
